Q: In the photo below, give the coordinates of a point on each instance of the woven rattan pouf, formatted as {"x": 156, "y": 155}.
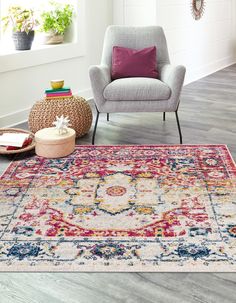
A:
{"x": 44, "y": 113}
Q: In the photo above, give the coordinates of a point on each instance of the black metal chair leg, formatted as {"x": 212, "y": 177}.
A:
{"x": 179, "y": 128}
{"x": 108, "y": 117}
{"x": 95, "y": 128}
{"x": 164, "y": 116}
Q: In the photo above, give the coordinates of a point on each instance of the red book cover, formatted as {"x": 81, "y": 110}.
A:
{"x": 59, "y": 94}
{"x": 26, "y": 143}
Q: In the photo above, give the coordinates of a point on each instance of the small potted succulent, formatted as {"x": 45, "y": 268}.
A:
{"x": 55, "y": 22}
{"x": 23, "y": 23}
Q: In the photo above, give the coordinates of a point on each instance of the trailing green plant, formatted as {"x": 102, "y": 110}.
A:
{"x": 20, "y": 19}
{"x": 57, "y": 19}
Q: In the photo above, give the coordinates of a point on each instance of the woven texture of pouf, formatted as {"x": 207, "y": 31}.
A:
{"x": 44, "y": 113}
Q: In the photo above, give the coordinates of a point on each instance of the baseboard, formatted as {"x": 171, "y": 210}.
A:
{"x": 21, "y": 116}
{"x": 209, "y": 69}
{"x": 14, "y": 118}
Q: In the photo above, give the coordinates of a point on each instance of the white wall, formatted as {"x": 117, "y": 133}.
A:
{"x": 21, "y": 88}
{"x": 203, "y": 46}
{"x": 134, "y": 12}
{"x": 234, "y": 24}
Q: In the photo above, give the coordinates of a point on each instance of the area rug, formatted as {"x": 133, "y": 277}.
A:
{"x": 120, "y": 208}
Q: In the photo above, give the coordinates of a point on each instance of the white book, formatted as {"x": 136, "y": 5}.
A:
{"x": 13, "y": 139}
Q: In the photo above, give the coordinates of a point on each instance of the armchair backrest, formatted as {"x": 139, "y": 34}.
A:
{"x": 136, "y": 38}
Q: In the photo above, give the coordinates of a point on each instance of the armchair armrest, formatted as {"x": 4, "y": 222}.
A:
{"x": 100, "y": 77}
{"x": 173, "y": 76}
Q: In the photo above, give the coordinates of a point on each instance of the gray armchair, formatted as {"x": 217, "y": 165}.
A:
{"x": 136, "y": 94}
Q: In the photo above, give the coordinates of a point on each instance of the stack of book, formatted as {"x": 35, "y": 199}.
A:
{"x": 60, "y": 93}
{"x": 15, "y": 140}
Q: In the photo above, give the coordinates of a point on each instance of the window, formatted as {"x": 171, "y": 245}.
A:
{"x": 73, "y": 45}
{"x": 38, "y": 7}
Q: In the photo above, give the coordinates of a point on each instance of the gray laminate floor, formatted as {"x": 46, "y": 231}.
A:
{"x": 208, "y": 115}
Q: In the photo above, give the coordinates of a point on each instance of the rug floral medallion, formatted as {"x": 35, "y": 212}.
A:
{"x": 120, "y": 208}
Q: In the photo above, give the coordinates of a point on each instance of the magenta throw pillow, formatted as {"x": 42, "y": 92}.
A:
{"x": 127, "y": 62}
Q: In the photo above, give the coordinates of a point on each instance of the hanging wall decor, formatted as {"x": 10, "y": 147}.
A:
{"x": 198, "y": 7}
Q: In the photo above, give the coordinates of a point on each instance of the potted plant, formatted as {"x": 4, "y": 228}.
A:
{"x": 23, "y": 23}
{"x": 56, "y": 21}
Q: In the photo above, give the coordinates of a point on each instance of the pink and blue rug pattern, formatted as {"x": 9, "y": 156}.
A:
{"x": 120, "y": 208}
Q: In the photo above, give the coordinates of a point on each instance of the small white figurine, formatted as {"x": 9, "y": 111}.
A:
{"x": 62, "y": 124}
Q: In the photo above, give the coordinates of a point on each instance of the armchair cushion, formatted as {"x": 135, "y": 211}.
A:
{"x": 127, "y": 62}
{"x": 137, "y": 89}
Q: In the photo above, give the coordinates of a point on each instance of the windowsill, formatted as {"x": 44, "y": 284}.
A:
{"x": 11, "y": 59}
{"x": 9, "y": 49}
